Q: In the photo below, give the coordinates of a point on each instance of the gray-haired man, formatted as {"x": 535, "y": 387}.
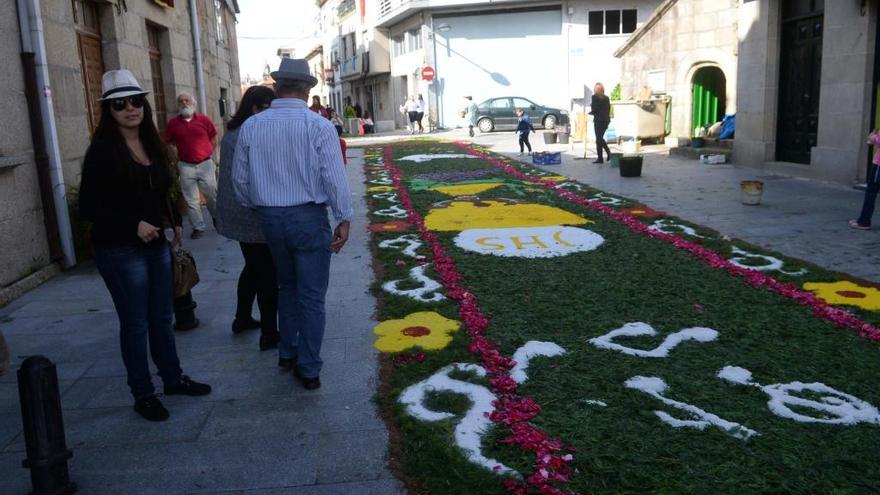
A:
{"x": 195, "y": 137}
{"x": 288, "y": 165}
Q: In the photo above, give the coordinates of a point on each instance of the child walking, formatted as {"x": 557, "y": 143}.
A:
{"x": 523, "y": 128}
{"x": 864, "y": 220}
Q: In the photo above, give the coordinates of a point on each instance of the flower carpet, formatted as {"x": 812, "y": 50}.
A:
{"x": 541, "y": 336}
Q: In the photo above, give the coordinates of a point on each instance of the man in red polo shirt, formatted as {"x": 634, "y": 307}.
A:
{"x": 195, "y": 137}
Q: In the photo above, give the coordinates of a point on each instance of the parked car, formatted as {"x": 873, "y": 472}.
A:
{"x": 498, "y": 113}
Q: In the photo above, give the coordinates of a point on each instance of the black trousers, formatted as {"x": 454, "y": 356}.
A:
{"x": 257, "y": 280}
{"x": 601, "y": 127}
{"x": 524, "y": 140}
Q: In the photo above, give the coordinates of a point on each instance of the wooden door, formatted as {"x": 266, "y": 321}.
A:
{"x": 799, "y": 80}
{"x": 88, "y": 37}
{"x": 160, "y": 110}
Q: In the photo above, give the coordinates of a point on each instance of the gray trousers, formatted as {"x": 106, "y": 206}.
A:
{"x": 195, "y": 177}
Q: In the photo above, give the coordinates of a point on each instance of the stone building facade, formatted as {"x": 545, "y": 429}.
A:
{"x": 809, "y": 69}
{"x": 685, "y": 45}
{"x": 84, "y": 38}
{"x": 807, "y": 74}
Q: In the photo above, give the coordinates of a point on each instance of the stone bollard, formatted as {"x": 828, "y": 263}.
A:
{"x": 47, "y": 452}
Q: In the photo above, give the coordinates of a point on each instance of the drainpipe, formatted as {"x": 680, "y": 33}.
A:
{"x": 197, "y": 52}
{"x": 31, "y": 27}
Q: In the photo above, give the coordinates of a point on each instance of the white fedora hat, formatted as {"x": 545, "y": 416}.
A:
{"x": 119, "y": 83}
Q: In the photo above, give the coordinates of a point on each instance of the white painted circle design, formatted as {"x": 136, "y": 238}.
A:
{"x": 529, "y": 242}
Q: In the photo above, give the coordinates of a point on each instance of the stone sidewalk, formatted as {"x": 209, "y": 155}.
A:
{"x": 800, "y": 218}
{"x": 259, "y": 432}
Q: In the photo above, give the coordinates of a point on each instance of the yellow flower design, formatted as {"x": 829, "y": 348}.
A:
{"x": 846, "y": 292}
{"x": 425, "y": 329}
{"x": 381, "y": 188}
{"x": 555, "y": 178}
{"x": 469, "y": 214}
{"x": 467, "y": 189}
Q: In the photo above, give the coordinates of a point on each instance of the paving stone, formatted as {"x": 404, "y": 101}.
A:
{"x": 14, "y": 479}
{"x": 290, "y": 418}
{"x": 352, "y": 456}
{"x": 361, "y": 348}
{"x": 188, "y": 467}
{"x": 67, "y": 371}
{"x": 376, "y": 487}
{"x": 122, "y": 426}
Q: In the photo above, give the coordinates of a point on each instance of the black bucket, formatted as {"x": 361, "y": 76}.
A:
{"x": 631, "y": 166}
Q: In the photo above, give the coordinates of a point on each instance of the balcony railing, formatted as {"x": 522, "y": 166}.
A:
{"x": 387, "y": 7}
{"x": 350, "y": 66}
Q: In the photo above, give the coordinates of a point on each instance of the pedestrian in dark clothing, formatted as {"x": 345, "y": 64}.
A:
{"x": 600, "y": 109}
{"x": 124, "y": 192}
{"x": 864, "y": 220}
{"x": 358, "y": 111}
{"x": 523, "y": 128}
{"x": 257, "y": 278}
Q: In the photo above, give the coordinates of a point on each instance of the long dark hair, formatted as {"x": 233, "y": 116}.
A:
{"x": 157, "y": 151}
{"x": 254, "y": 96}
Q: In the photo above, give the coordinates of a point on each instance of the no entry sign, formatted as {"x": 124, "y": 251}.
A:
{"x": 428, "y": 73}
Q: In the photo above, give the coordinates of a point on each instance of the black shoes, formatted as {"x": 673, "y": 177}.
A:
{"x": 186, "y": 386}
{"x": 599, "y": 161}
{"x": 197, "y": 234}
{"x": 310, "y": 383}
{"x": 269, "y": 341}
{"x": 151, "y": 409}
{"x": 243, "y": 324}
{"x": 184, "y": 325}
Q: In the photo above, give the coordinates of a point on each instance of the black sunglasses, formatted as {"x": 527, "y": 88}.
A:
{"x": 119, "y": 104}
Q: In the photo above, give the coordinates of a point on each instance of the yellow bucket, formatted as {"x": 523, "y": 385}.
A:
{"x": 751, "y": 191}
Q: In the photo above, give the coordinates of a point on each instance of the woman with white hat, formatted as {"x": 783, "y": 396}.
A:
{"x": 124, "y": 192}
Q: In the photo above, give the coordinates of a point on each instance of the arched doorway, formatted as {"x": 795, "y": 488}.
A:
{"x": 709, "y": 96}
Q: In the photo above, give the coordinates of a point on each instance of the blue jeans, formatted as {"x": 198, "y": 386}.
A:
{"x": 870, "y": 196}
{"x": 299, "y": 238}
{"x": 140, "y": 281}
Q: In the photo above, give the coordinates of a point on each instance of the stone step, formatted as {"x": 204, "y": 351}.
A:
{"x": 694, "y": 153}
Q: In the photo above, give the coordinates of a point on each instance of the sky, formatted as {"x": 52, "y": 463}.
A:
{"x": 265, "y": 25}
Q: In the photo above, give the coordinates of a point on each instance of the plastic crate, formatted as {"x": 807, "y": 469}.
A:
{"x": 546, "y": 158}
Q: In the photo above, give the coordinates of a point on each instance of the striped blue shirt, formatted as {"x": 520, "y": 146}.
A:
{"x": 288, "y": 155}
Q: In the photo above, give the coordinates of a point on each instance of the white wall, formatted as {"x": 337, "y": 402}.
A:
{"x": 501, "y": 54}
{"x": 591, "y": 58}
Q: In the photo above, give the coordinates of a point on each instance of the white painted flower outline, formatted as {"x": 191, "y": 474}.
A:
{"x": 475, "y": 423}
{"x": 428, "y": 292}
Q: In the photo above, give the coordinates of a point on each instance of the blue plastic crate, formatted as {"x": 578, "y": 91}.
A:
{"x": 547, "y": 158}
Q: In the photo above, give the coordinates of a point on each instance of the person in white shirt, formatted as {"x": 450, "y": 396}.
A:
{"x": 420, "y": 112}
{"x": 412, "y": 110}
{"x": 288, "y": 166}
{"x": 367, "y": 122}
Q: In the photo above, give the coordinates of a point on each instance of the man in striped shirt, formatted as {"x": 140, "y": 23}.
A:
{"x": 288, "y": 166}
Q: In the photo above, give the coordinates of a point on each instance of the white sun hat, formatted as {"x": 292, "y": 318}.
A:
{"x": 118, "y": 84}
